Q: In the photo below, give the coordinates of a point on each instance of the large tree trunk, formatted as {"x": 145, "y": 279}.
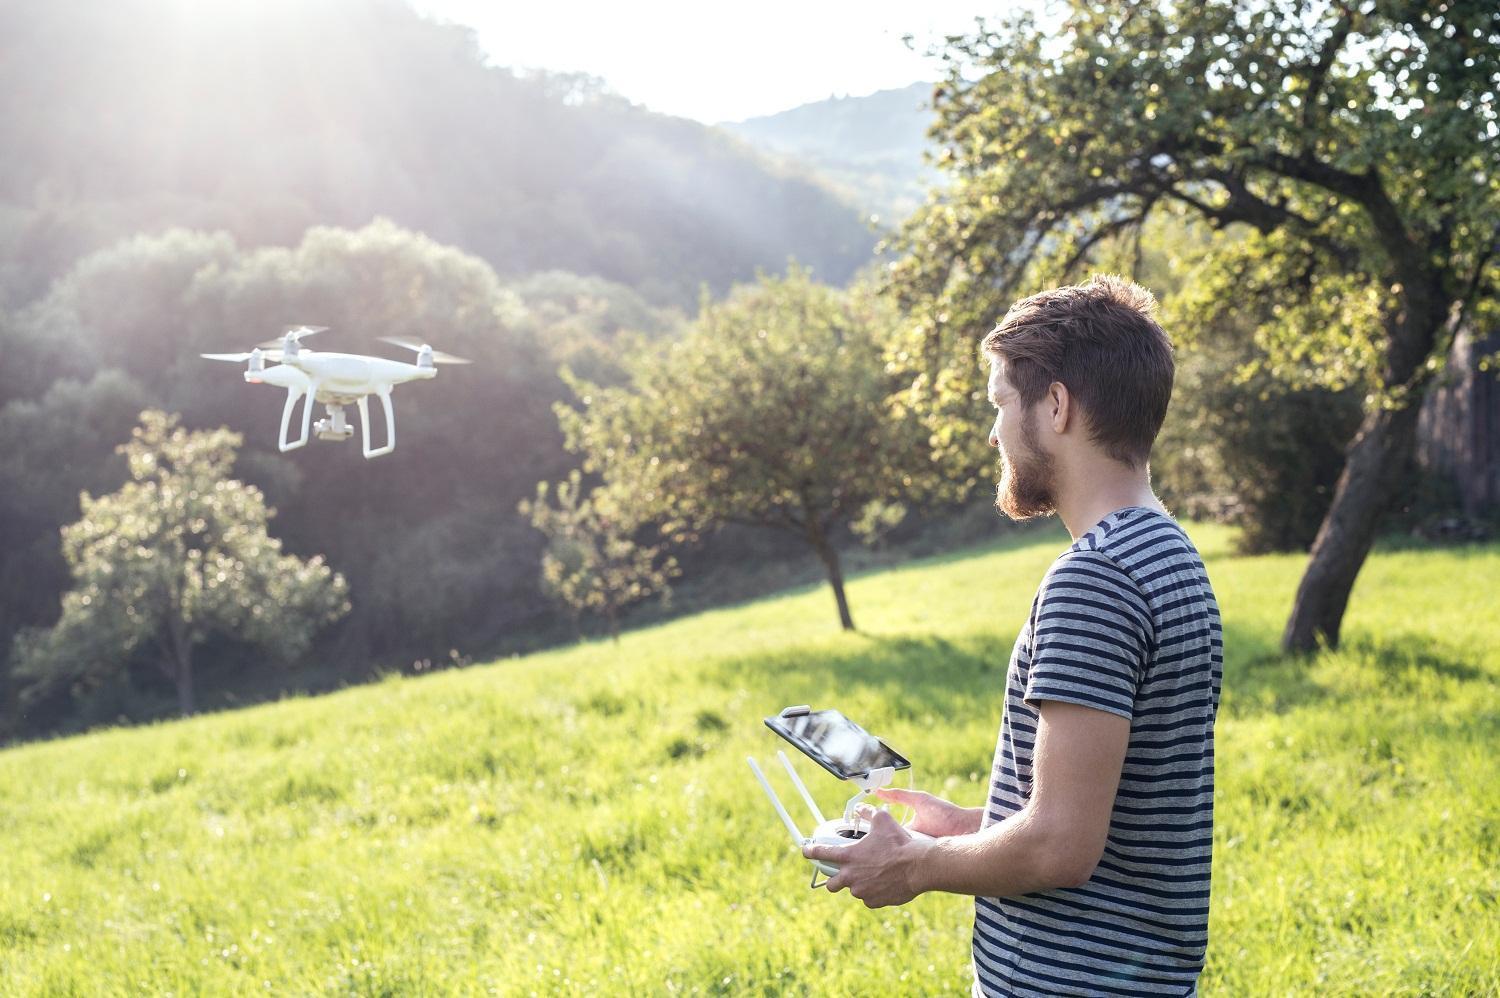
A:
{"x": 830, "y": 556}
{"x": 1371, "y": 476}
{"x": 1373, "y": 469}
{"x": 182, "y": 651}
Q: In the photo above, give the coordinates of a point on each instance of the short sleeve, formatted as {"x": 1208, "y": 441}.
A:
{"x": 1091, "y": 635}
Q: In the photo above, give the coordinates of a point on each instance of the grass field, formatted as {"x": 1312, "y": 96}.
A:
{"x": 583, "y": 820}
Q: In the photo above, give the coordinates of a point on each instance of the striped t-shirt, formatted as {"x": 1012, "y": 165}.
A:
{"x": 1125, "y": 622}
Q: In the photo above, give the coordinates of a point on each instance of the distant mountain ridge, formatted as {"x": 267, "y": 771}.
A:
{"x": 263, "y": 119}
{"x": 867, "y": 148}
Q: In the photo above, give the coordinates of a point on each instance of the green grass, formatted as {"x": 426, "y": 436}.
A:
{"x": 583, "y": 820}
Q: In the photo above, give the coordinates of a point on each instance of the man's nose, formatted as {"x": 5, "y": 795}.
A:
{"x": 994, "y": 439}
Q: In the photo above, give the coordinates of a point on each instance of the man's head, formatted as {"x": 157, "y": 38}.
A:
{"x": 1081, "y": 375}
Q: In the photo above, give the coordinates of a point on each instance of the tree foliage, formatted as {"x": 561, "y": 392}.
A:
{"x": 176, "y": 555}
{"x": 1244, "y": 441}
{"x": 592, "y": 562}
{"x": 587, "y": 322}
{"x": 1242, "y": 444}
{"x": 770, "y": 412}
{"x": 51, "y": 449}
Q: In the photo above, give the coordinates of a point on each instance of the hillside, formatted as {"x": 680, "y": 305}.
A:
{"x": 582, "y": 821}
{"x": 263, "y": 119}
{"x": 869, "y": 148}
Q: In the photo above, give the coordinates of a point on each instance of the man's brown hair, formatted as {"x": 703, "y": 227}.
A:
{"x": 1102, "y": 341}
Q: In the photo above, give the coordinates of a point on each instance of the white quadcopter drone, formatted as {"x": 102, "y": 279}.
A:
{"x": 335, "y": 380}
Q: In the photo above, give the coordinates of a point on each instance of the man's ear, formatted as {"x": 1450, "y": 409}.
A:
{"x": 1059, "y": 406}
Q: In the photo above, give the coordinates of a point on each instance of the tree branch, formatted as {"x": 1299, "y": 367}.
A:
{"x": 1105, "y": 231}
{"x": 1319, "y": 75}
{"x": 1366, "y": 190}
{"x": 1248, "y": 207}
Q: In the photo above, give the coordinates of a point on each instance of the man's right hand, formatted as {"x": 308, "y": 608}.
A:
{"x": 934, "y": 816}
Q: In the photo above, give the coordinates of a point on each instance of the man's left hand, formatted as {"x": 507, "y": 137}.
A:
{"x": 878, "y": 869}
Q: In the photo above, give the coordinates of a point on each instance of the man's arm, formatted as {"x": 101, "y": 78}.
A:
{"x": 1055, "y": 841}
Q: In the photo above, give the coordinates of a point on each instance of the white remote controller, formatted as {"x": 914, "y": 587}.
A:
{"x": 829, "y": 831}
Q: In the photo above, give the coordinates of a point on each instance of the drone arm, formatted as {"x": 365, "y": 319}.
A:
{"x": 390, "y": 424}
{"x": 292, "y": 394}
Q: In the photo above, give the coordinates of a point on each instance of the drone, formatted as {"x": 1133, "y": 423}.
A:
{"x": 335, "y": 380}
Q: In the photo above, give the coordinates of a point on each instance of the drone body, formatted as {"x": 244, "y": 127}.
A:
{"x": 335, "y": 380}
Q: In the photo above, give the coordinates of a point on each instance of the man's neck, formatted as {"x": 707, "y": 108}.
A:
{"x": 1100, "y": 491}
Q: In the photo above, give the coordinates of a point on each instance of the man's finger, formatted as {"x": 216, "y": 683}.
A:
{"x": 883, "y": 822}
{"x": 898, "y": 795}
{"x": 836, "y": 883}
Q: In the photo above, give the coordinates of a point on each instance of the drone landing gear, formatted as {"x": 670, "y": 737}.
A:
{"x": 390, "y": 424}
{"x": 293, "y": 393}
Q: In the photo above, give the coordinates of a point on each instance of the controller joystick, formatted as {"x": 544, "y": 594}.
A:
{"x": 836, "y": 832}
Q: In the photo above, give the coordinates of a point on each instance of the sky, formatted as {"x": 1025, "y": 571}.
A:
{"x": 718, "y": 61}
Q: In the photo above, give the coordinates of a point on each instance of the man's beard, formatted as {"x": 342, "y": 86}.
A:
{"x": 1026, "y": 485}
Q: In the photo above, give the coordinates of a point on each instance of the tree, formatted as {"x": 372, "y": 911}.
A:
{"x": 1356, "y": 141}
{"x": 592, "y": 561}
{"x": 178, "y": 553}
{"x": 51, "y": 448}
{"x": 770, "y": 412}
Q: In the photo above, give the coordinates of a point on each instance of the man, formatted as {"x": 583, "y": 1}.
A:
{"x": 1090, "y": 860}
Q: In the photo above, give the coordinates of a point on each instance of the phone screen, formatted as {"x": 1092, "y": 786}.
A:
{"x": 836, "y": 743}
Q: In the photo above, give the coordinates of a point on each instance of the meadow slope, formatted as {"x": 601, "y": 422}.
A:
{"x": 582, "y": 820}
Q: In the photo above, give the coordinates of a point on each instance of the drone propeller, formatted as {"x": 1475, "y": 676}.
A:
{"x": 296, "y": 333}
{"x": 239, "y": 358}
{"x": 438, "y": 357}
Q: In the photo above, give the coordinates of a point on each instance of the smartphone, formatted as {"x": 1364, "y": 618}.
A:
{"x": 834, "y": 742}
